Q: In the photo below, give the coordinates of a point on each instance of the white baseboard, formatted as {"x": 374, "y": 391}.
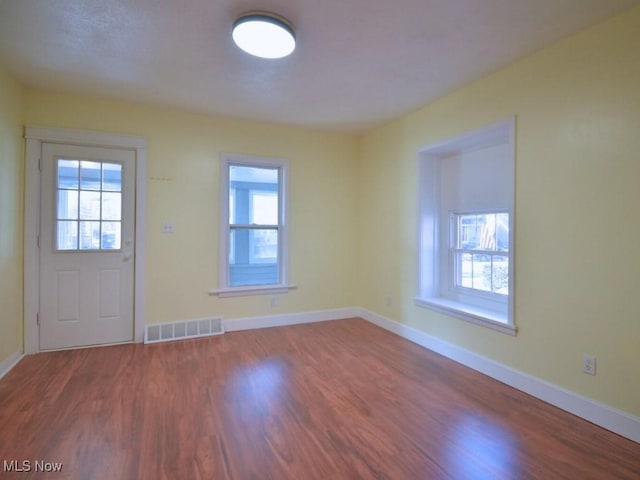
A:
{"x": 10, "y": 362}
{"x": 602, "y": 415}
{"x": 280, "y": 320}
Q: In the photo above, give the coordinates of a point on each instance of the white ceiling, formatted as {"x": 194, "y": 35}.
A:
{"x": 358, "y": 63}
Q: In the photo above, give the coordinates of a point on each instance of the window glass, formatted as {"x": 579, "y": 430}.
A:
{"x": 90, "y": 173}
{"x": 89, "y": 235}
{"x": 67, "y": 238}
{"x": 264, "y": 207}
{"x": 110, "y": 236}
{"x": 89, "y": 205}
{"x": 264, "y": 246}
{"x": 112, "y": 177}
{"x": 67, "y": 204}
{"x": 68, "y": 171}
{"x": 111, "y": 206}
{"x": 242, "y": 173}
{"x": 487, "y": 234}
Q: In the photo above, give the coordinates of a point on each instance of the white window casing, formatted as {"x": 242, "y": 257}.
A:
{"x": 228, "y": 250}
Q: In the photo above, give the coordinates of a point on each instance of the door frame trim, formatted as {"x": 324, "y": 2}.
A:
{"x": 35, "y": 136}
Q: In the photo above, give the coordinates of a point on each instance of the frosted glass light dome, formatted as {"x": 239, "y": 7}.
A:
{"x": 264, "y": 35}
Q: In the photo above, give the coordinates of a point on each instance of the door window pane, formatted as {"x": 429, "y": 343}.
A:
{"x": 67, "y": 238}
{"x": 111, "y": 205}
{"x": 67, "y": 204}
{"x": 68, "y": 171}
{"x": 110, "y": 236}
{"x": 89, "y": 205}
{"x": 90, "y": 173}
{"x": 112, "y": 177}
{"x": 89, "y": 235}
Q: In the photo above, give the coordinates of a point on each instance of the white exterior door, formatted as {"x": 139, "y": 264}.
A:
{"x": 86, "y": 246}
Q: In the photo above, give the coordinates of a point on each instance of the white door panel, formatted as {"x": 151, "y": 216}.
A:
{"x": 86, "y": 246}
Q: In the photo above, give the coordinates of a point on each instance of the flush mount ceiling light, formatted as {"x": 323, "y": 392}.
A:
{"x": 264, "y": 35}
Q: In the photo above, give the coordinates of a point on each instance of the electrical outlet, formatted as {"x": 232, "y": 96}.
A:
{"x": 589, "y": 364}
{"x": 387, "y": 300}
{"x": 274, "y": 302}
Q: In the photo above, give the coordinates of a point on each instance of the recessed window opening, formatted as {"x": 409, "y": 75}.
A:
{"x": 466, "y": 226}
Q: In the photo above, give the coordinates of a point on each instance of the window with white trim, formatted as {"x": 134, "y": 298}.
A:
{"x": 466, "y": 235}
{"x": 253, "y": 238}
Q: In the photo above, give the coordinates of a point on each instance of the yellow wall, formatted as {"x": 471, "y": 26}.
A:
{"x": 577, "y": 222}
{"x": 183, "y": 188}
{"x": 11, "y": 208}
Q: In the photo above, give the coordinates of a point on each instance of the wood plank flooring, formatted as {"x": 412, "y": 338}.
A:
{"x": 332, "y": 400}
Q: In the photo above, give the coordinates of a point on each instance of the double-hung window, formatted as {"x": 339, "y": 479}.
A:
{"x": 479, "y": 253}
{"x": 465, "y": 224}
{"x": 253, "y": 230}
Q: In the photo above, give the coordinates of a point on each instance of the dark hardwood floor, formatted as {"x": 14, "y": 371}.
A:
{"x": 332, "y": 400}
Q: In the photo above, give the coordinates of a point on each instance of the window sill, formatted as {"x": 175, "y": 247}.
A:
{"x": 252, "y": 290}
{"x": 487, "y": 318}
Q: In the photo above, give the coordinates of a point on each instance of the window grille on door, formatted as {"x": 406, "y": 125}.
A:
{"x": 88, "y": 205}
